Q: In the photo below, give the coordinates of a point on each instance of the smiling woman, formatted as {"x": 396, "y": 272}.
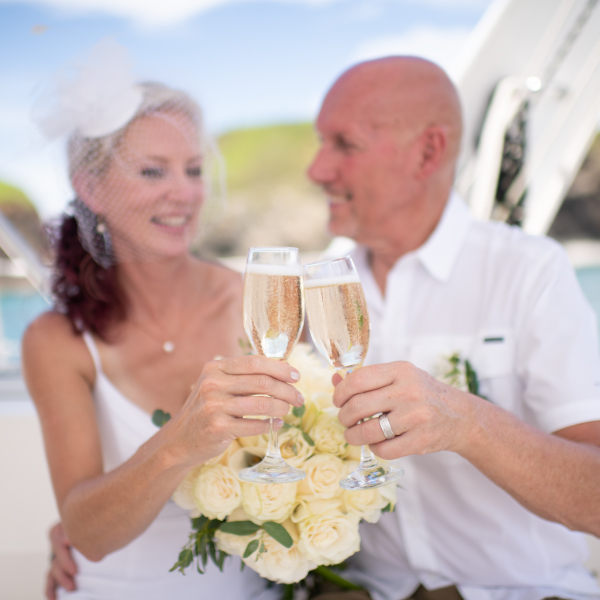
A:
{"x": 137, "y": 321}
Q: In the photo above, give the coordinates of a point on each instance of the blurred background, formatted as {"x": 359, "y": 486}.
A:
{"x": 528, "y": 73}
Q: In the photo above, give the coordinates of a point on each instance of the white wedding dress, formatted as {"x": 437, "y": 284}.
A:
{"x": 140, "y": 570}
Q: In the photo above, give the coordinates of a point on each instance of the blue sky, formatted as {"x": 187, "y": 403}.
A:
{"x": 247, "y": 62}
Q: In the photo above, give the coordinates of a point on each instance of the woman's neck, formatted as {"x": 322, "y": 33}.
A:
{"x": 158, "y": 290}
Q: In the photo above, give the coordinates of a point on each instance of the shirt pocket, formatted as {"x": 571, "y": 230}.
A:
{"x": 491, "y": 354}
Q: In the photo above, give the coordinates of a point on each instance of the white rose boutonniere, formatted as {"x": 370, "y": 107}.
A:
{"x": 458, "y": 372}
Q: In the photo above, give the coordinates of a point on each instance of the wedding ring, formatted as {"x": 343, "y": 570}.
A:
{"x": 386, "y": 427}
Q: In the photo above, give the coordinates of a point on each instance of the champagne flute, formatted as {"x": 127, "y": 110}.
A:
{"x": 339, "y": 325}
{"x": 273, "y": 320}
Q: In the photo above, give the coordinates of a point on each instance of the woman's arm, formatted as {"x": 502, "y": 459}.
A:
{"x": 102, "y": 512}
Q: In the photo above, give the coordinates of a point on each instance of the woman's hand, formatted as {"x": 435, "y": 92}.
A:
{"x": 227, "y": 391}
{"x": 62, "y": 566}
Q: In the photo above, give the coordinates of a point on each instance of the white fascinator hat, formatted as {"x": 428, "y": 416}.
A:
{"x": 94, "y": 97}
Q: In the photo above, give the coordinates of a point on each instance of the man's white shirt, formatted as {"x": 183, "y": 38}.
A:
{"x": 511, "y": 304}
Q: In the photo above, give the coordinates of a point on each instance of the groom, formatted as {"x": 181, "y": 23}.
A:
{"x": 492, "y": 486}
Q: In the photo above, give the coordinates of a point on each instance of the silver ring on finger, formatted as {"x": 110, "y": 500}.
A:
{"x": 386, "y": 427}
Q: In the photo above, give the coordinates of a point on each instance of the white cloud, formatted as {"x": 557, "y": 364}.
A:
{"x": 151, "y": 13}
{"x": 161, "y": 13}
{"x": 440, "y": 45}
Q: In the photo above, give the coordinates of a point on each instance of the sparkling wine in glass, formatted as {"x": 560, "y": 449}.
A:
{"x": 273, "y": 319}
{"x": 339, "y": 325}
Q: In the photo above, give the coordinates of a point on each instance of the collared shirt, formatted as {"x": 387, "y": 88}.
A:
{"x": 511, "y": 304}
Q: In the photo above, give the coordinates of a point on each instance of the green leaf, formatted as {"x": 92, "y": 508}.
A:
{"x": 222, "y": 556}
{"x": 203, "y": 553}
{"x": 308, "y": 439}
{"x": 198, "y": 567}
{"x": 212, "y": 550}
{"x": 186, "y": 557}
{"x": 298, "y": 411}
{"x": 329, "y": 575}
{"x": 251, "y": 548}
{"x": 160, "y": 417}
{"x": 199, "y": 522}
{"x": 239, "y": 527}
{"x": 279, "y": 533}
{"x": 285, "y": 427}
{"x": 387, "y": 508}
{"x": 215, "y": 524}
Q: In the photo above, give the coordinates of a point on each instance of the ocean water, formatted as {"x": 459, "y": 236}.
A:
{"x": 18, "y": 309}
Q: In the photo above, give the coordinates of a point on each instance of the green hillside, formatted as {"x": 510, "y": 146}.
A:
{"x": 22, "y": 213}
{"x": 262, "y": 157}
{"x": 270, "y": 200}
{"x": 9, "y": 194}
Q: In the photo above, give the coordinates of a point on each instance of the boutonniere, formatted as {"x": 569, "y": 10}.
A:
{"x": 458, "y": 372}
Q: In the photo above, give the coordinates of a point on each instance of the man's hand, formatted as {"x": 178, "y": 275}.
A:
{"x": 425, "y": 414}
{"x": 62, "y": 566}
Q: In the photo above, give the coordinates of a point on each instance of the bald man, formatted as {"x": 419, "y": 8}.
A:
{"x": 492, "y": 487}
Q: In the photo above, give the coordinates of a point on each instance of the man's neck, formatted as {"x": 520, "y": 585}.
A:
{"x": 384, "y": 252}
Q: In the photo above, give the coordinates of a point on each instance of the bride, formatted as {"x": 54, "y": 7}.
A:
{"x": 136, "y": 326}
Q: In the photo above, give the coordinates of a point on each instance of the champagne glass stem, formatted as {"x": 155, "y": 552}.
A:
{"x": 273, "y": 452}
{"x": 367, "y": 458}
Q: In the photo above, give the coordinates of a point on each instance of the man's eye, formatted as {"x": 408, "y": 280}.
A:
{"x": 152, "y": 173}
{"x": 194, "y": 171}
{"x": 344, "y": 145}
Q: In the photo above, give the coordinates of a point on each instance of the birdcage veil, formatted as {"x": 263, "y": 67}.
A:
{"x": 137, "y": 154}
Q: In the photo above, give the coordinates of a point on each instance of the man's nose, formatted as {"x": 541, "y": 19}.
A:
{"x": 321, "y": 170}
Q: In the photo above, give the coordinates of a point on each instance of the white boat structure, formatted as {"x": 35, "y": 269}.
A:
{"x": 530, "y": 85}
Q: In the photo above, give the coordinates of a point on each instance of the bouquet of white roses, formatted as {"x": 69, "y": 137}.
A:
{"x": 283, "y": 531}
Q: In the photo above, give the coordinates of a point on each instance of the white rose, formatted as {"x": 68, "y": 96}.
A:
{"x": 268, "y": 501}
{"x": 183, "y": 495}
{"x": 328, "y": 434}
{"x": 278, "y": 563}
{"x": 223, "y": 458}
{"x": 254, "y": 441}
{"x": 295, "y": 450}
{"x": 364, "y": 504}
{"x": 330, "y": 538}
{"x": 235, "y": 544}
{"x": 315, "y": 375}
{"x": 217, "y": 491}
{"x": 309, "y": 506}
{"x": 323, "y": 474}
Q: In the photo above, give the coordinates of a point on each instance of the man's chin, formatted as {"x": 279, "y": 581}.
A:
{"x": 337, "y": 229}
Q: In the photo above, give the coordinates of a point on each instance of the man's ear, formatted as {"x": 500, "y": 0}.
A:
{"x": 433, "y": 143}
{"x": 86, "y": 186}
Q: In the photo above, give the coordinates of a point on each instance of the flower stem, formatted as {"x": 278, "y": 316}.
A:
{"x": 329, "y": 575}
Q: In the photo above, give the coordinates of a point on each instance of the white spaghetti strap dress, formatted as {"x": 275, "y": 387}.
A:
{"x": 140, "y": 570}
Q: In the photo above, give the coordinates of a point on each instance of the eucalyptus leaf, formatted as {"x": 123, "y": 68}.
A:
{"x": 251, "y": 548}
{"x": 298, "y": 411}
{"x": 308, "y": 439}
{"x": 199, "y": 522}
{"x": 160, "y": 417}
{"x": 279, "y": 533}
{"x": 186, "y": 557}
{"x": 212, "y": 550}
{"x": 239, "y": 527}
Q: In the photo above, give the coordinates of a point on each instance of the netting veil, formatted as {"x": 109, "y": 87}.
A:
{"x": 135, "y": 153}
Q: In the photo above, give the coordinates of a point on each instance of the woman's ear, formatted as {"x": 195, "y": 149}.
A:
{"x": 86, "y": 186}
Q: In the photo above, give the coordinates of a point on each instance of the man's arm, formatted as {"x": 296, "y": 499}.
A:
{"x": 555, "y": 476}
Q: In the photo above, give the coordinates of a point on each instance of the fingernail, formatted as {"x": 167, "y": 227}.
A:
{"x": 278, "y": 423}
{"x": 301, "y": 399}
{"x": 295, "y": 376}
